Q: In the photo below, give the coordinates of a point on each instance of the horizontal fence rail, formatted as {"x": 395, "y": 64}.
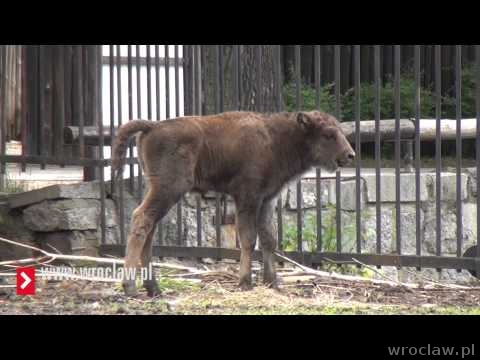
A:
{"x": 410, "y": 112}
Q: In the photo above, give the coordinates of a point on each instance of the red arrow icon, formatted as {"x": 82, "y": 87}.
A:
{"x": 26, "y": 281}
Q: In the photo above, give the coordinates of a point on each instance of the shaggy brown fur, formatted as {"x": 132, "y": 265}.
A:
{"x": 247, "y": 155}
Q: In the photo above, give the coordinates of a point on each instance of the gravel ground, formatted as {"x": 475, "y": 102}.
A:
{"x": 217, "y": 293}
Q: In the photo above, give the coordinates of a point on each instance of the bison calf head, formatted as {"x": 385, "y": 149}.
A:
{"x": 325, "y": 141}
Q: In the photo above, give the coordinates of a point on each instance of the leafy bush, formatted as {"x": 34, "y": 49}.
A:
{"x": 387, "y": 103}
{"x": 329, "y": 238}
{"x": 309, "y": 232}
{"x": 468, "y": 96}
{"x": 309, "y": 97}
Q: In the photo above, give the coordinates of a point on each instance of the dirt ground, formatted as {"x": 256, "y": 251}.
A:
{"x": 217, "y": 293}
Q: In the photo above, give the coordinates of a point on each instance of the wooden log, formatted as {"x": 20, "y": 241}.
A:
{"x": 367, "y": 128}
{"x": 448, "y": 129}
{"x": 407, "y": 129}
{"x": 71, "y": 135}
{"x": 387, "y": 130}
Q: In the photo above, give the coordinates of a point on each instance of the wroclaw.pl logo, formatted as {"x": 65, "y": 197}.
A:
{"x": 113, "y": 273}
{"x": 26, "y": 275}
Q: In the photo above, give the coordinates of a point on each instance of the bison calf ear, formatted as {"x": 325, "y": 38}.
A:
{"x": 305, "y": 121}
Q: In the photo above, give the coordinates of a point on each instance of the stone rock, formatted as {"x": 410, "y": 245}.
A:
{"x": 189, "y": 227}
{"x": 3, "y": 196}
{"x": 388, "y": 187}
{"x": 86, "y": 190}
{"x": 472, "y": 181}
{"x": 388, "y": 228}
{"x": 449, "y": 190}
{"x": 328, "y": 194}
{"x": 12, "y": 228}
{"x": 69, "y": 214}
{"x": 309, "y": 195}
{"x": 70, "y": 242}
{"x": 449, "y": 228}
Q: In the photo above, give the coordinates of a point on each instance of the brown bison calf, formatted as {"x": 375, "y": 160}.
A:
{"x": 247, "y": 155}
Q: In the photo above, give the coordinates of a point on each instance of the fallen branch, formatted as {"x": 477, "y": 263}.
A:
{"x": 332, "y": 275}
{"x": 7, "y": 286}
{"x": 438, "y": 283}
{"x": 381, "y": 274}
{"x": 52, "y": 257}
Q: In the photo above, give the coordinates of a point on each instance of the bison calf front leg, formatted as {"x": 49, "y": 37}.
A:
{"x": 247, "y": 231}
{"x": 268, "y": 243}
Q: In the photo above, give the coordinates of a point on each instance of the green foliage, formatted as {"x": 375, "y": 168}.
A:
{"x": 468, "y": 96}
{"x": 309, "y": 97}
{"x": 329, "y": 239}
{"x": 309, "y": 232}
{"x": 387, "y": 96}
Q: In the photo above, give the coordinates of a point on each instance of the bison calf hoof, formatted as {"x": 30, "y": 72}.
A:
{"x": 245, "y": 284}
{"x": 129, "y": 288}
{"x": 271, "y": 284}
{"x": 152, "y": 288}
{"x": 270, "y": 280}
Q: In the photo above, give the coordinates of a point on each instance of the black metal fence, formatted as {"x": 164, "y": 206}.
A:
{"x": 199, "y": 80}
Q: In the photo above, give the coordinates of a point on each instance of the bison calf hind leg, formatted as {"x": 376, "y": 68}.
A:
{"x": 247, "y": 231}
{"x": 139, "y": 246}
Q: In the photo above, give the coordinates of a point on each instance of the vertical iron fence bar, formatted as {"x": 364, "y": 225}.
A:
{"x": 42, "y": 98}
{"x": 221, "y": 197}
{"x": 149, "y": 83}
{"x": 378, "y": 187}
{"x": 477, "y": 138}
{"x": 218, "y": 102}
{"x": 221, "y": 80}
{"x": 236, "y": 100}
{"x": 3, "y": 82}
{"x": 112, "y": 109}
{"x": 157, "y": 82}
{"x": 158, "y": 117}
{"x": 198, "y": 63}
{"x": 120, "y": 115}
{"x": 167, "y": 81}
{"x": 130, "y": 114}
{"x": 204, "y": 49}
{"x": 167, "y": 112}
{"x": 177, "y": 82}
{"x": 298, "y": 103}
{"x": 318, "y": 77}
{"x": 97, "y": 113}
{"x": 418, "y": 233}
{"x": 177, "y": 114}
{"x": 259, "y": 101}
{"x": 279, "y": 106}
{"x": 139, "y": 115}
{"x": 458, "y": 108}
{"x": 438, "y": 148}
{"x": 357, "y": 149}
{"x": 398, "y": 217}
{"x": 338, "y": 110}
{"x": 24, "y": 109}
{"x": 240, "y": 74}
{"x": 79, "y": 49}
{"x": 236, "y": 79}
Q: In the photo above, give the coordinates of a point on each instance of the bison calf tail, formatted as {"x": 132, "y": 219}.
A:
{"x": 120, "y": 144}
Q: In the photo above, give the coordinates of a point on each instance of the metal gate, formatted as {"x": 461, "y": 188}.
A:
{"x": 158, "y": 82}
